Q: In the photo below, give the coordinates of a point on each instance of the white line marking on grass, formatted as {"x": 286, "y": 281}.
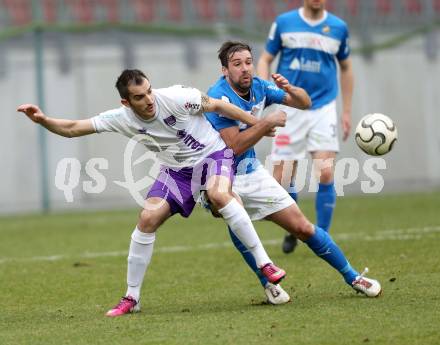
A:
{"x": 383, "y": 235}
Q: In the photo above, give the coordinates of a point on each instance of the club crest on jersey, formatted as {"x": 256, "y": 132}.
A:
{"x": 170, "y": 120}
{"x": 326, "y": 29}
{"x": 181, "y": 133}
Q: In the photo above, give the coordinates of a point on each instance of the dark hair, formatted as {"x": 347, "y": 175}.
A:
{"x": 229, "y": 48}
{"x": 129, "y": 77}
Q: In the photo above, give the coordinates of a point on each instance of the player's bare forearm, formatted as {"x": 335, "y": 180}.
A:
{"x": 295, "y": 96}
{"x": 228, "y": 110}
{"x": 242, "y": 141}
{"x": 347, "y": 84}
{"x": 69, "y": 128}
{"x": 65, "y": 128}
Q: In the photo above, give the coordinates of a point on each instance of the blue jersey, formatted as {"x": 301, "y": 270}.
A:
{"x": 308, "y": 53}
{"x": 262, "y": 94}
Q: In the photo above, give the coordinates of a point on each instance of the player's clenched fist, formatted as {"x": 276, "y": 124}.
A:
{"x": 33, "y": 112}
{"x": 277, "y": 118}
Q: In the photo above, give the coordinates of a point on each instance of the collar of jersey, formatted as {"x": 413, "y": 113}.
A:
{"x": 312, "y": 22}
{"x": 250, "y": 96}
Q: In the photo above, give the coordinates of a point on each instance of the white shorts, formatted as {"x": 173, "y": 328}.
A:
{"x": 261, "y": 194}
{"x": 306, "y": 131}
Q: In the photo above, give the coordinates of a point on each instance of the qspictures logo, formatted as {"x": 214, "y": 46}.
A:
{"x": 347, "y": 171}
{"x": 68, "y": 173}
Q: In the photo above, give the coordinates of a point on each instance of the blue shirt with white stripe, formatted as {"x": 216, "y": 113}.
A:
{"x": 262, "y": 94}
{"x": 308, "y": 52}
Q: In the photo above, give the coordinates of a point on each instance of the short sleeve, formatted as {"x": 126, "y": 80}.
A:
{"x": 273, "y": 93}
{"x": 273, "y": 43}
{"x": 344, "y": 48}
{"x": 108, "y": 121}
{"x": 188, "y": 99}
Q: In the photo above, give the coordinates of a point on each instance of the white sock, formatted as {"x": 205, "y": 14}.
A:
{"x": 139, "y": 257}
{"x": 241, "y": 225}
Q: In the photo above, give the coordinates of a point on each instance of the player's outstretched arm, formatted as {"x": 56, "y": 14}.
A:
{"x": 295, "y": 96}
{"x": 65, "y": 128}
{"x": 226, "y": 109}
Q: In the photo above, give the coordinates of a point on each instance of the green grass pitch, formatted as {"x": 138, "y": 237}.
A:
{"x": 59, "y": 274}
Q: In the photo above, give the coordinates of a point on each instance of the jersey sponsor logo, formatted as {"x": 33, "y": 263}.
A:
{"x": 306, "y": 65}
{"x": 273, "y": 87}
{"x": 282, "y": 140}
{"x": 192, "y": 106}
{"x": 170, "y": 120}
{"x": 310, "y": 40}
{"x": 189, "y": 140}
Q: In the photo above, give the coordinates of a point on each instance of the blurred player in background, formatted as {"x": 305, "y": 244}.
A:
{"x": 262, "y": 196}
{"x": 170, "y": 122}
{"x": 310, "y": 40}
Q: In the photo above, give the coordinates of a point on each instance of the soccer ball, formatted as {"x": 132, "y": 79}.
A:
{"x": 376, "y": 134}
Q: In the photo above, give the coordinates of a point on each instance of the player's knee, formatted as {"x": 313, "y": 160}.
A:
{"x": 148, "y": 221}
{"x": 218, "y": 199}
{"x": 326, "y": 176}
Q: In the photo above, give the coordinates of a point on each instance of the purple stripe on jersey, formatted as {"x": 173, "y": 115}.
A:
{"x": 181, "y": 188}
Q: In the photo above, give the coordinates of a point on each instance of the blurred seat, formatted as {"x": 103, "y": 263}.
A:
{"x": 112, "y": 9}
{"x": 266, "y": 10}
{"x": 19, "y": 11}
{"x": 383, "y": 7}
{"x": 205, "y": 9}
{"x": 413, "y": 6}
{"x": 174, "y": 10}
{"x": 330, "y": 5}
{"x": 436, "y": 5}
{"x": 353, "y": 7}
{"x": 144, "y": 10}
{"x": 293, "y": 4}
{"x": 235, "y": 9}
{"x": 50, "y": 11}
{"x": 81, "y": 10}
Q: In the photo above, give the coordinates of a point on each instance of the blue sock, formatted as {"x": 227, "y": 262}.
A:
{"x": 292, "y": 192}
{"x": 323, "y": 246}
{"x": 325, "y": 204}
{"x": 248, "y": 257}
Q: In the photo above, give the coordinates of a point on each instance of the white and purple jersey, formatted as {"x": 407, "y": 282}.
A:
{"x": 178, "y": 133}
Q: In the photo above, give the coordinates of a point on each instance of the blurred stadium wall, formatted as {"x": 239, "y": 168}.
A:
{"x": 66, "y": 55}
